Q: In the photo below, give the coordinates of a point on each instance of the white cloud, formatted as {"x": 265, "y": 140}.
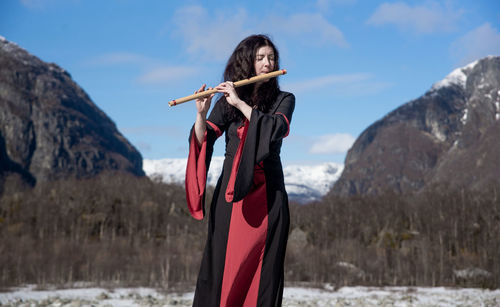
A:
{"x": 117, "y": 58}
{"x": 329, "y": 80}
{"x": 165, "y": 75}
{"x": 422, "y": 19}
{"x": 347, "y": 84}
{"x": 325, "y": 5}
{"x": 35, "y": 4}
{"x": 214, "y": 34}
{"x": 154, "y": 71}
{"x": 44, "y": 4}
{"x": 337, "y": 143}
{"x": 309, "y": 28}
{"x": 212, "y": 37}
{"x": 475, "y": 44}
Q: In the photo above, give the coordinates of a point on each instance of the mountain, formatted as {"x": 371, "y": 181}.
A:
{"x": 306, "y": 183}
{"x": 50, "y": 128}
{"x": 447, "y": 136}
{"x": 303, "y": 183}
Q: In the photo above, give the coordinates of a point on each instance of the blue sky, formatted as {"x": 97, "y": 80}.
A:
{"x": 349, "y": 62}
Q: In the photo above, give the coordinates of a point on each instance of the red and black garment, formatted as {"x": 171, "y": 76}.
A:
{"x": 249, "y": 218}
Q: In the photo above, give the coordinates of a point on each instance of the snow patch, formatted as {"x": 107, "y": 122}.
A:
{"x": 15, "y": 50}
{"x": 292, "y": 296}
{"x": 471, "y": 273}
{"x": 29, "y": 296}
{"x": 8, "y": 45}
{"x": 436, "y": 131}
{"x": 464, "y": 117}
{"x": 456, "y": 77}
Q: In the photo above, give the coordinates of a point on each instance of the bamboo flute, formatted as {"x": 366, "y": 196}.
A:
{"x": 236, "y": 84}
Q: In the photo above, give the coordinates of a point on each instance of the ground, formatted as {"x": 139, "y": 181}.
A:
{"x": 293, "y": 297}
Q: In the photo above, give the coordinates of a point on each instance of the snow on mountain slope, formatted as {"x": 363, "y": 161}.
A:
{"x": 174, "y": 170}
{"x": 304, "y": 183}
{"x": 457, "y": 77}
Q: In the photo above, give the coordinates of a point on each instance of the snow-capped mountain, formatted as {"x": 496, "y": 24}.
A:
{"x": 449, "y": 136}
{"x": 174, "y": 170}
{"x": 304, "y": 183}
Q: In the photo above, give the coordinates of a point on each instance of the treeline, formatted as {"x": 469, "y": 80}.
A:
{"x": 115, "y": 229}
{"x": 441, "y": 237}
{"x": 120, "y": 230}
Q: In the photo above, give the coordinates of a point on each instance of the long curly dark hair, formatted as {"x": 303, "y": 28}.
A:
{"x": 240, "y": 65}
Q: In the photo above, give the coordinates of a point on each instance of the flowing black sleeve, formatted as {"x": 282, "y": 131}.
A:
{"x": 264, "y": 129}
{"x": 199, "y": 159}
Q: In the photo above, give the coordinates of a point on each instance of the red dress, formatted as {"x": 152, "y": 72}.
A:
{"x": 249, "y": 219}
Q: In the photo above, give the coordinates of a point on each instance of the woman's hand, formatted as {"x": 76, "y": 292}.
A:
{"x": 227, "y": 88}
{"x": 203, "y": 104}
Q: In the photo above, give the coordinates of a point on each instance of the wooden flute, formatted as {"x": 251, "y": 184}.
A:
{"x": 236, "y": 84}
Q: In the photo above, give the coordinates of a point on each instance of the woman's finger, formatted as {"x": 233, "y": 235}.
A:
{"x": 201, "y": 89}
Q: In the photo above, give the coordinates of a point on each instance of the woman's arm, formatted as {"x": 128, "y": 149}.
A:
{"x": 202, "y": 106}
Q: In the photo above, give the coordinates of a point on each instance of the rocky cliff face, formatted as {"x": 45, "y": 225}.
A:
{"x": 49, "y": 127}
{"x": 449, "y": 135}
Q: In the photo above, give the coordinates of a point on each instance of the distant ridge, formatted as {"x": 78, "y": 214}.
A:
{"x": 304, "y": 183}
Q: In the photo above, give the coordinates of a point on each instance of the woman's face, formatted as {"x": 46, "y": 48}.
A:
{"x": 264, "y": 60}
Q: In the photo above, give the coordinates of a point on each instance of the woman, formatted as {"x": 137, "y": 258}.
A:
{"x": 248, "y": 225}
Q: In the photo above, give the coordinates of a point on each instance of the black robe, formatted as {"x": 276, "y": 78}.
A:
{"x": 249, "y": 218}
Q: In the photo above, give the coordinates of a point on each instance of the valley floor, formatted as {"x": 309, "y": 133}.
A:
{"x": 293, "y": 297}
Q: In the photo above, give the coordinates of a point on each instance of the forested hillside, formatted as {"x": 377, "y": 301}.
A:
{"x": 120, "y": 230}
